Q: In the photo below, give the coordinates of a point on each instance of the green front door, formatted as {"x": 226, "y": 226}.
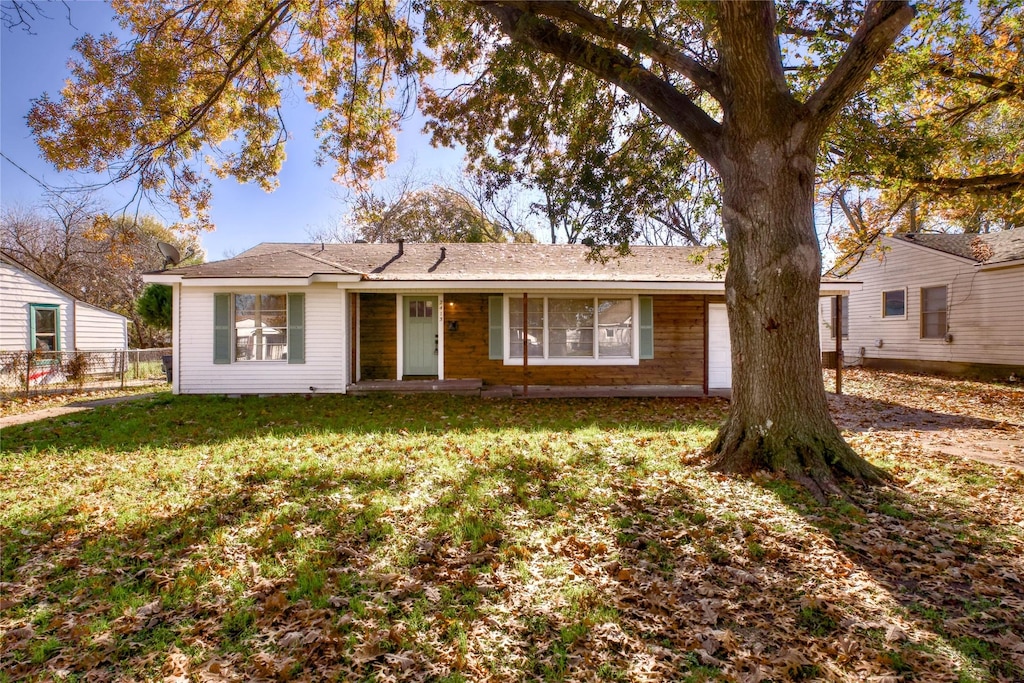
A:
{"x": 419, "y": 342}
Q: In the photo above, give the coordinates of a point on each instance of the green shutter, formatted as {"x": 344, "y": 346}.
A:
{"x": 221, "y": 329}
{"x": 646, "y": 327}
{"x": 496, "y": 316}
{"x": 296, "y": 328}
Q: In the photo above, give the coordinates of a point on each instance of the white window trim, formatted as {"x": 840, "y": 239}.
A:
{"x": 634, "y": 359}
{"x": 906, "y": 304}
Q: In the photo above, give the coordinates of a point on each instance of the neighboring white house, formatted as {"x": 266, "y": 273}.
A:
{"x": 301, "y": 318}
{"x": 950, "y": 304}
{"x": 37, "y": 315}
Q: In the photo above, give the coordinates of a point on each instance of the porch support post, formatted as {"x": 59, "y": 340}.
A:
{"x": 346, "y": 340}
{"x": 176, "y": 338}
{"x": 838, "y": 327}
{"x": 526, "y": 344}
{"x": 399, "y": 331}
{"x": 440, "y": 336}
{"x": 707, "y": 364}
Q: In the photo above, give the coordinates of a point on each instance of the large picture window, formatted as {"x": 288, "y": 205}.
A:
{"x": 572, "y": 330}
{"x": 933, "y": 313}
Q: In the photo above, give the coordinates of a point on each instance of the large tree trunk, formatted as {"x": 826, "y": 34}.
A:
{"x": 779, "y": 416}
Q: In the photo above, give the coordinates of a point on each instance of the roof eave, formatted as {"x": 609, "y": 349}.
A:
{"x": 999, "y": 265}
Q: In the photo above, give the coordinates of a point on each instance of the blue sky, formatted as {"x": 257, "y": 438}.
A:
{"x": 307, "y": 198}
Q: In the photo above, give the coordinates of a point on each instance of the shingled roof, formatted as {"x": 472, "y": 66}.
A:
{"x": 462, "y": 262}
{"x": 993, "y": 247}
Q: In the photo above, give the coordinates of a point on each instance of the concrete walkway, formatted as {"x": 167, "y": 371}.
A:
{"x": 76, "y": 407}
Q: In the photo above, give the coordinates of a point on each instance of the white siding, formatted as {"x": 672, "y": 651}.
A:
{"x": 19, "y": 289}
{"x": 325, "y": 363}
{"x": 985, "y": 309}
{"x": 99, "y": 329}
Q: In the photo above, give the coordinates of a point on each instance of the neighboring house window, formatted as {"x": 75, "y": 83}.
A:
{"x": 576, "y": 330}
{"x": 894, "y": 303}
{"x": 933, "y": 312}
{"x": 44, "y": 323}
{"x": 846, "y": 317}
{"x": 259, "y": 327}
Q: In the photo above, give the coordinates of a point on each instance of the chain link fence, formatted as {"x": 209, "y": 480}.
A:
{"x": 26, "y": 373}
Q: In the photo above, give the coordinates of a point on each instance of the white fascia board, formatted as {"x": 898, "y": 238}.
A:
{"x": 237, "y": 282}
{"x": 1000, "y": 265}
{"x": 537, "y": 286}
{"x": 340, "y": 278}
{"x": 834, "y": 288}
{"x": 161, "y": 278}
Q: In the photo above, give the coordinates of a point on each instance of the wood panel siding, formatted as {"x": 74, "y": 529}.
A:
{"x": 678, "y": 349}
{"x": 983, "y": 311}
{"x": 378, "y": 336}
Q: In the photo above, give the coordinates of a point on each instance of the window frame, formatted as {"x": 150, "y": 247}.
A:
{"x": 257, "y": 310}
{"x": 944, "y": 313}
{"x": 594, "y": 360}
{"x": 32, "y": 334}
{"x": 903, "y": 316}
{"x": 225, "y": 337}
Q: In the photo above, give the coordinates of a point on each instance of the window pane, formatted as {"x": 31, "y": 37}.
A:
{"x": 46, "y": 321}
{"x": 894, "y": 303}
{"x": 933, "y": 312}
{"x": 535, "y": 331}
{"x": 261, "y": 326}
{"x": 615, "y": 328}
{"x": 570, "y": 328}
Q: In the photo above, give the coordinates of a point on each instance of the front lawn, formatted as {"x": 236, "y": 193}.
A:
{"x": 458, "y": 539}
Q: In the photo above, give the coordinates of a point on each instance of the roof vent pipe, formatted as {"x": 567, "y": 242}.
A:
{"x": 443, "y": 252}
{"x": 401, "y": 246}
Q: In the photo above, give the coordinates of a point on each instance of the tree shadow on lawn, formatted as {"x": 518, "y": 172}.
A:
{"x": 859, "y": 414}
{"x": 519, "y": 566}
{"x": 954, "y": 567}
{"x": 599, "y": 558}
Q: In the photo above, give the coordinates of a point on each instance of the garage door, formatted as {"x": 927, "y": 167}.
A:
{"x": 719, "y": 354}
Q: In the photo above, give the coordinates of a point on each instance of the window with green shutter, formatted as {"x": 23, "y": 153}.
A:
{"x": 259, "y": 327}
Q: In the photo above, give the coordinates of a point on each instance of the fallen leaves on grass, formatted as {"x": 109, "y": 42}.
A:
{"x": 340, "y": 539}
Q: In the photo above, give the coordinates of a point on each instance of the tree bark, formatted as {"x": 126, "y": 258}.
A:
{"x": 779, "y": 418}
